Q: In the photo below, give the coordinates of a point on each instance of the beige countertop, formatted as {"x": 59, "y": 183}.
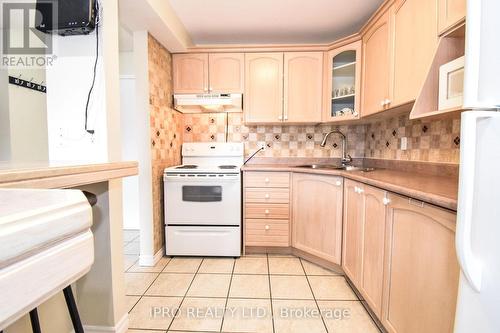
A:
{"x": 437, "y": 190}
{"x": 62, "y": 174}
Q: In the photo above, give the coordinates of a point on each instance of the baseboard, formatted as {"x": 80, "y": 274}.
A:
{"x": 121, "y": 327}
{"x": 151, "y": 260}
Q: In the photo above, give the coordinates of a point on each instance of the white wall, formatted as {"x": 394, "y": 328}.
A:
{"x": 127, "y": 64}
{"x": 69, "y": 81}
{"x": 130, "y": 139}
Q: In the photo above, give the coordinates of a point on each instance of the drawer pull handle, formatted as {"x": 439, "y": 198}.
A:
{"x": 266, "y": 211}
{"x": 266, "y": 180}
{"x": 267, "y": 196}
{"x": 267, "y": 227}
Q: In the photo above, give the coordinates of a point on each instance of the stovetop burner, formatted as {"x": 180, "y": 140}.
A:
{"x": 187, "y": 166}
{"x": 227, "y": 166}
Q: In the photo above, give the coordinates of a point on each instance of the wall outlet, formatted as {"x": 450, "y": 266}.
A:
{"x": 404, "y": 143}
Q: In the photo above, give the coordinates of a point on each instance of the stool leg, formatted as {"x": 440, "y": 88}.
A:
{"x": 73, "y": 310}
{"x": 35, "y": 323}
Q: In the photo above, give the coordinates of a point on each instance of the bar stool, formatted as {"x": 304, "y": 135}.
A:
{"x": 48, "y": 237}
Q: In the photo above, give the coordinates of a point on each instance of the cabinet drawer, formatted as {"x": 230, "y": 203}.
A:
{"x": 267, "y": 179}
{"x": 270, "y": 195}
{"x": 267, "y": 211}
{"x": 267, "y": 232}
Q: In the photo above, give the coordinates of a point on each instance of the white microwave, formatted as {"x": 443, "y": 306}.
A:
{"x": 451, "y": 84}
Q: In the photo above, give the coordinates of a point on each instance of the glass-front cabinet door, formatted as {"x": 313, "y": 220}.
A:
{"x": 344, "y": 82}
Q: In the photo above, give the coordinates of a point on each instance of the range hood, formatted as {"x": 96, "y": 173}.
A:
{"x": 199, "y": 103}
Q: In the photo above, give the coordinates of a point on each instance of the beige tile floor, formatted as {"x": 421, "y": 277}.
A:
{"x": 258, "y": 293}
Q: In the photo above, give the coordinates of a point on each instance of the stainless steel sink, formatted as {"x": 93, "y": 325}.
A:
{"x": 321, "y": 166}
{"x": 334, "y": 167}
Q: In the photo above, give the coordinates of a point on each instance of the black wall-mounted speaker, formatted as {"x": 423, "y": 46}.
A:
{"x": 66, "y": 17}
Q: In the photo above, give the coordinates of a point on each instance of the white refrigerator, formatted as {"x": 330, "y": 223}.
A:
{"x": 478, "y": 221}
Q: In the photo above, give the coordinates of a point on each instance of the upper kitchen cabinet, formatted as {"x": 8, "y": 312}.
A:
{"x": 317, "y": 215}
{"x": 303, "y": 83}
{"x": 197, "y": 73}
{"x": 415, "y": 43}
{"x": 451, "y": 13}
{"x": 263, "y": 102}
{"x": 343, "y": 83}
{"x": 422, "y": 272}
{"x": 190, "y": 73}
{"x": 226, "y": 72}
{"x": 377, "y": 44}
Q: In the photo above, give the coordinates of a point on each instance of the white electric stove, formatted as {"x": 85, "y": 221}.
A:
{"x": 203, "y": 201}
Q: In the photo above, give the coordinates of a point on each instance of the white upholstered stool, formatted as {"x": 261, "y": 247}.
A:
{"x": 45, "y": 245}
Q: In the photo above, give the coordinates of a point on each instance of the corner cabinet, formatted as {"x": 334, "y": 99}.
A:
{"x": 343, "y": 83}
{"x": 422, "y": 272}
{"x": 364, "y": 240}
{"x": 317, "y": 215}
{"x": 377, "y": 59}
{"x": 263, "y": 102}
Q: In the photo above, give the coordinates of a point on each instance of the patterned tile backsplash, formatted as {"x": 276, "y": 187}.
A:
{"x": 166, "y": 129}
{"x": 428, "y": 141}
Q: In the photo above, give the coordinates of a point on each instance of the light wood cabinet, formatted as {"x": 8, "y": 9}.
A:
{"x": 317, "y": 215}
{"x": 372, "y": 271}
{"x": 421, "y": 277}
{"x": 450, "y": 13}
{"x": 415, "y": 43}
{"x": 377, "y": 53}
{"x": 266, "y": 209}
{"x": 352, "y": 231}
{"x": 190, "y": 73}
{"x": 263, "y": 102}
{"x": 364, "y": 240}
{"x": 303, "y": 82}
{"x": 226, "y": 72}
{"x": 342, "y": 83}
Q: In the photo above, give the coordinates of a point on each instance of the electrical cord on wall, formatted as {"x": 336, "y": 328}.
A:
{"x": 91, "y": 131}
{"x": 227, "y": 125}
{"x": 251, "y": 156}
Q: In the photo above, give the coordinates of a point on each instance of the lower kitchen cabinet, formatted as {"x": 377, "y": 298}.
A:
{"x": 422, "y": 272}
{"x": 364, "y": 240}
{"x": 317, "y": 215}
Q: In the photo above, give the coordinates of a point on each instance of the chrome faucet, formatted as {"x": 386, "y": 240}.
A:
{"x": 346, "y": 158}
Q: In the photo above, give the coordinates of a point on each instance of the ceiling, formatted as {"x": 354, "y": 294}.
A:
{"x": 272, "y": 21}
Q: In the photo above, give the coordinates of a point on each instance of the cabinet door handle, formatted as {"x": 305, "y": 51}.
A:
{"x": 280, "y": 117}
{"x": 382, "y": 103}
{"x": 386, "y": 201}
{"x": 267, "y": 196}
{"x": 338, "y": 183}
{"x": 356, "y": 189}
{"x": 266, "y": 180}
{"x": 360, "y": 191}
{"x": 266, "y": 212}
{"x": 267, "y": 227}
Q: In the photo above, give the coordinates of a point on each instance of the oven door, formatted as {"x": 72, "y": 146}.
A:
{"x": 203, "y": 200}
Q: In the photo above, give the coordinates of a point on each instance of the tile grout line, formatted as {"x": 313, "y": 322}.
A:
{"x": 270, "y": 292}
{"x": 183, "y": 298}
{"x": 314, "y": 297}
{"x": 227, "y": 297}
